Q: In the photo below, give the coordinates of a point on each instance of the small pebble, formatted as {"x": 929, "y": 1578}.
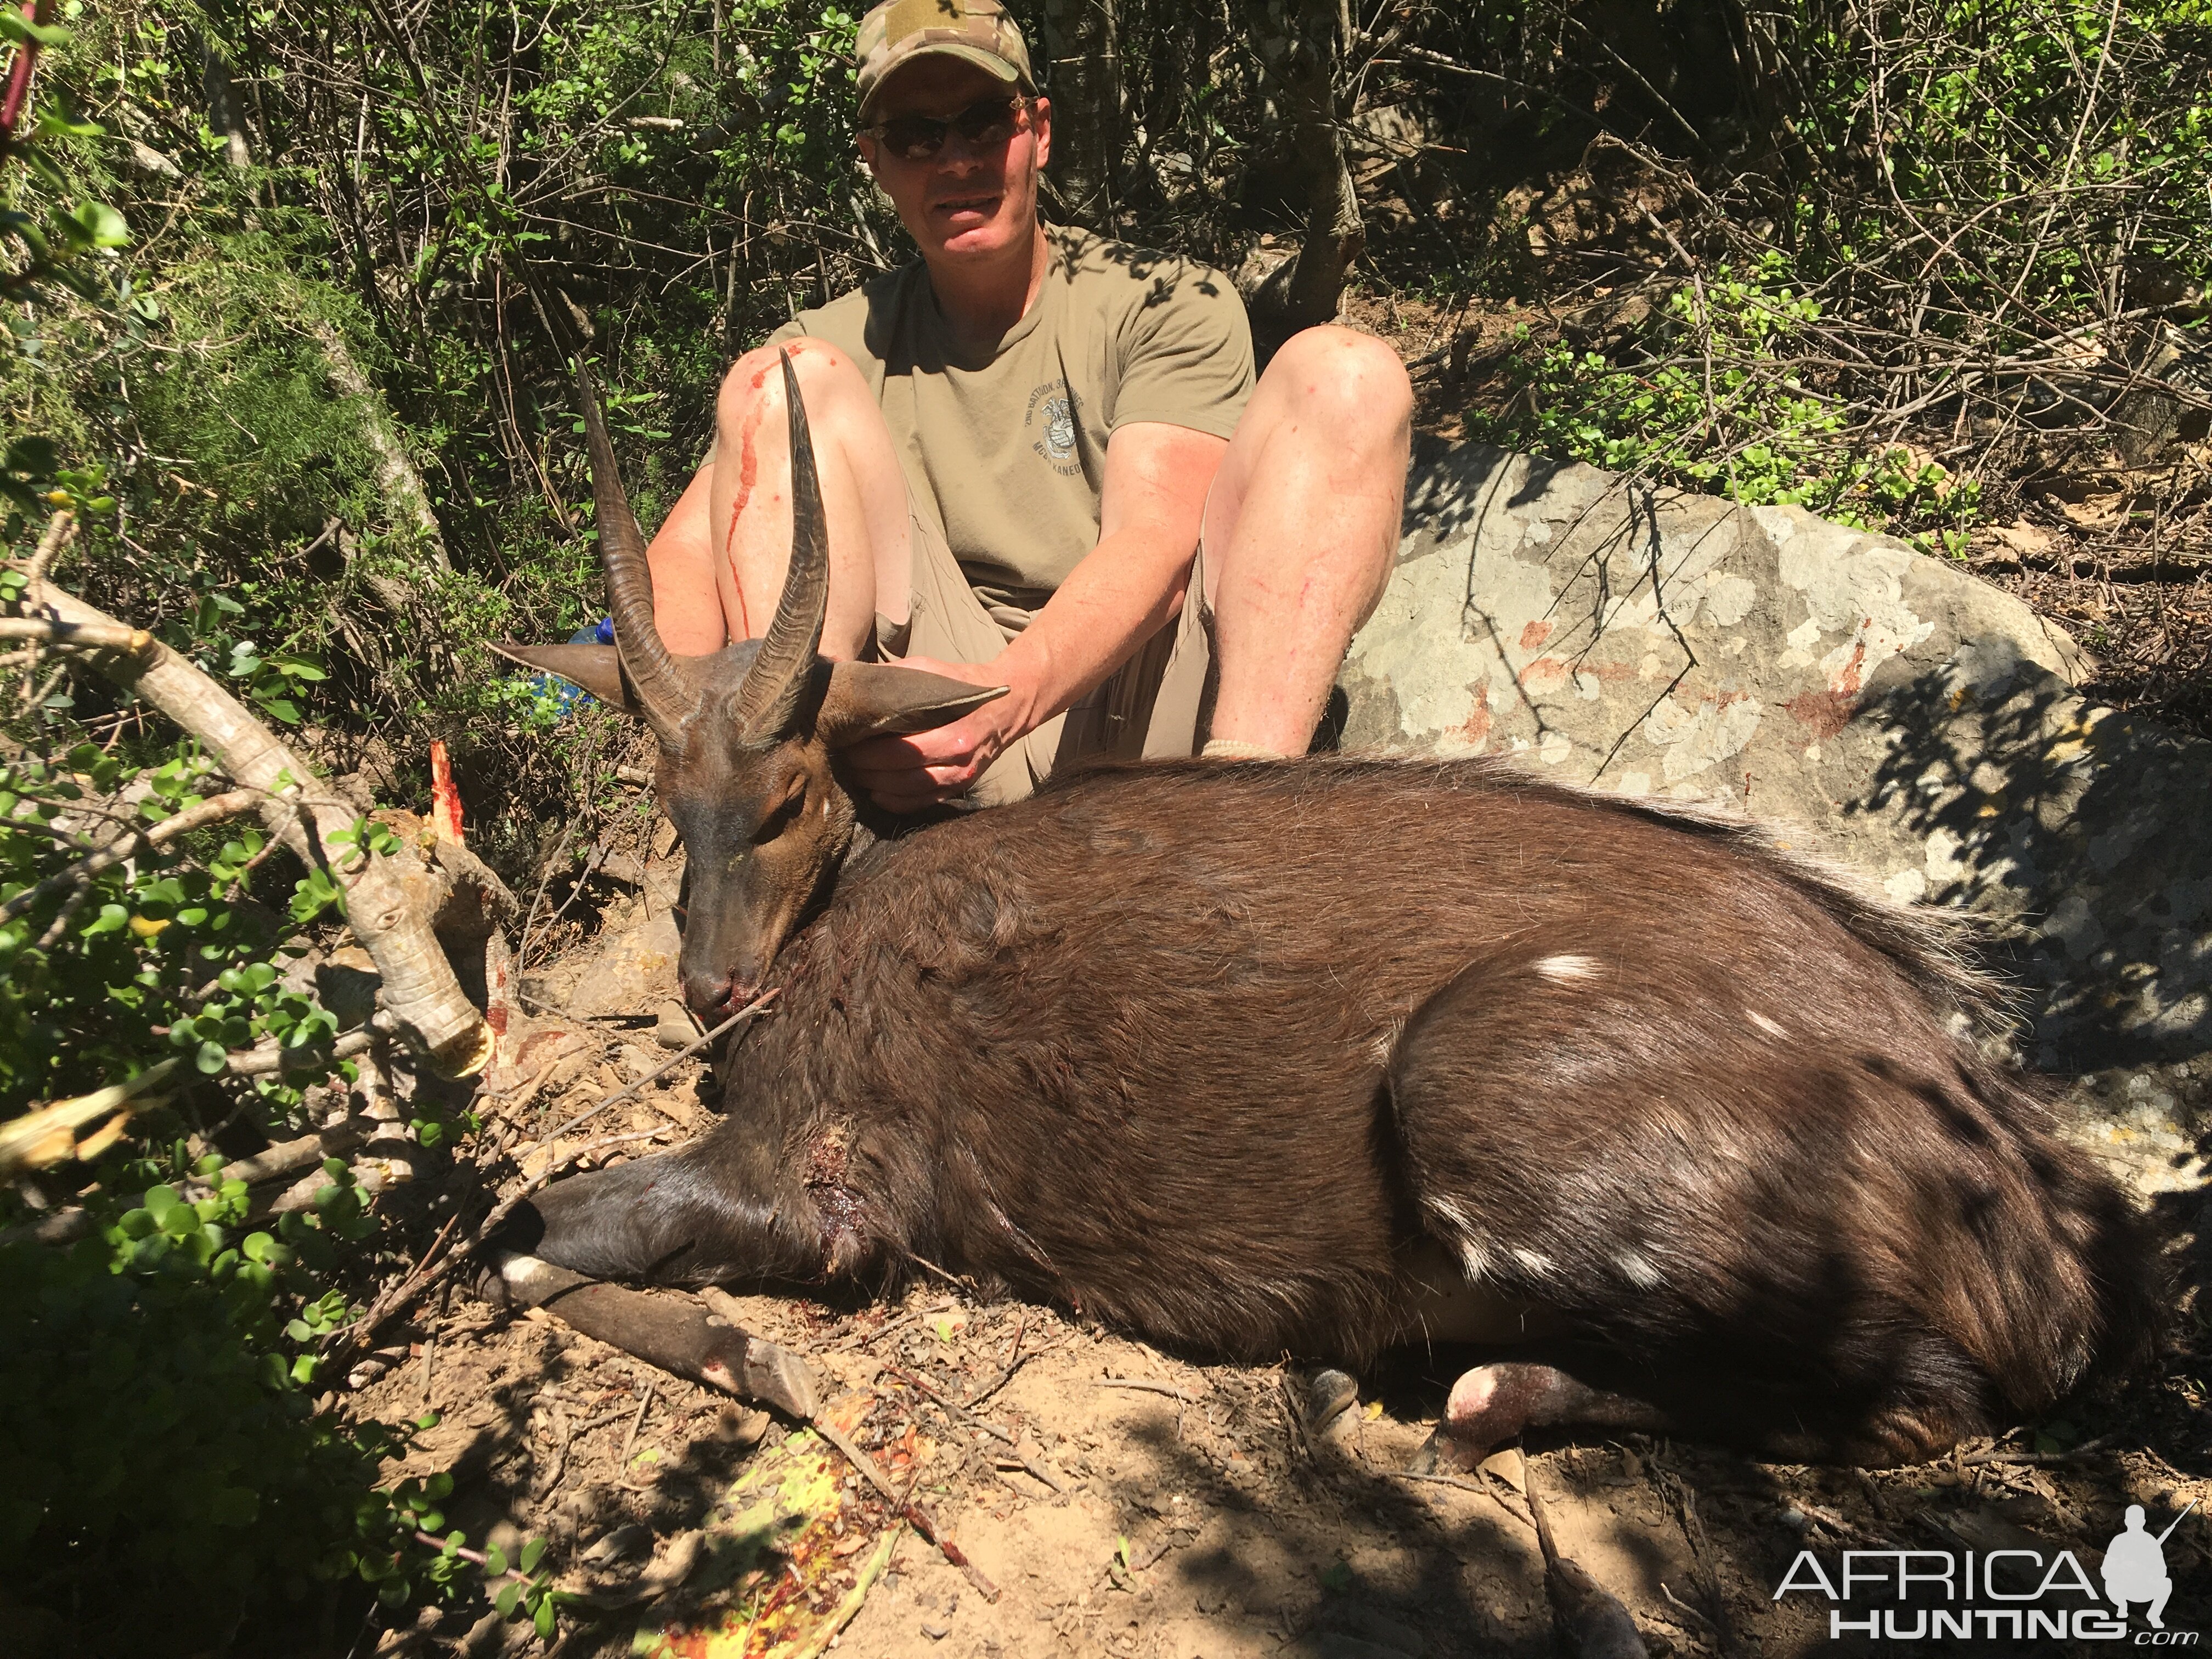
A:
{"x": 935, "y": 1631}
{"x": 1796, "y": 1519}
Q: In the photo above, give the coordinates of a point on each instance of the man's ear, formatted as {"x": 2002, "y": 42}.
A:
{"x": 877, "y": 699}
{"x": 597, "y": 668}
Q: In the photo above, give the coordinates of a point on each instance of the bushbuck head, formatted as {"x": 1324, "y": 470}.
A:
{"x": 750, "y": 734}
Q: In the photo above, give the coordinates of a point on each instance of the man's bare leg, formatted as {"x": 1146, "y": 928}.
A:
{"x": 1302, "y": 530}
{"x": 719, "y": 562}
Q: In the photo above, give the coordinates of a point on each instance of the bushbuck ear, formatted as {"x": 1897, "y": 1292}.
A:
{"x": 876, "y": 699}
{"x": 597, "y": 668}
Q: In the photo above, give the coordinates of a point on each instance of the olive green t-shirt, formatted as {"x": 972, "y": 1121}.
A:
{"x": 1008, "y": 447}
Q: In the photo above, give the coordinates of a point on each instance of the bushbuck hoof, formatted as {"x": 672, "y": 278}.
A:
{"x": 776, "y": 1374}
{"x": 1323, "y": 1397}
{"x": 1491, "y": 1406}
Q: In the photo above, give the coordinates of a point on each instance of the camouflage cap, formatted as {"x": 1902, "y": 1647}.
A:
{"x": 977, "y": 30}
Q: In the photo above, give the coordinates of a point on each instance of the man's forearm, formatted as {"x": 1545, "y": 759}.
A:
{"x": 1122, "y": 593}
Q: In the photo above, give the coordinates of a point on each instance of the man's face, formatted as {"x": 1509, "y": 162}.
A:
{"x": 964, "y": 202}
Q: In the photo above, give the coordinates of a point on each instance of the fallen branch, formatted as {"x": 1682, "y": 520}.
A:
{"x": 67, "y": 1227}
{"x": 48, "y": 1134}
{"x": 419, "y": 990}
{"x": 88, "y": 637}
{"x": 301, "y": 1057}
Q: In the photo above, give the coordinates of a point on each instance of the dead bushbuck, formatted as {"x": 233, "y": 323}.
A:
{"x": 1324, "y": 1056}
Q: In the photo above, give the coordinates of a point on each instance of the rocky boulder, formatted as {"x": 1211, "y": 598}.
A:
{"x": 1883, "y": 709}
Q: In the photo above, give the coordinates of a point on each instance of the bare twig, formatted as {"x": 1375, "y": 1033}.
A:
{"x": 913, "y": 1514}
{"x": 637, "y": 1422}
{"x": 2036, "y": 1459}
{"x": 1143, "y": 1383}
{"x": 468, "y": 1554}
{"x": 1015, "y": 1358}
{"x": 631, "y": 1091}
{"x": 530, "y": 922}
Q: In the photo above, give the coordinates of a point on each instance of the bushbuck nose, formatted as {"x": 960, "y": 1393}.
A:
{"x": 713, "y": 996}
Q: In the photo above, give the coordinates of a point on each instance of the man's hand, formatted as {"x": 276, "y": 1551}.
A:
{"x": 927, "y": 768}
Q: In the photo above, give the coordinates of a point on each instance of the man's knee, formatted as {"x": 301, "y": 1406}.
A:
{"x": 1349, "y": 378}
{"x": 754, "y": 386}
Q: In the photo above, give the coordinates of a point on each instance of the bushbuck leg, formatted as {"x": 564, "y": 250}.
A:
{"x": 1491, "y": 1405}
{"x": 1582, "y": 1150}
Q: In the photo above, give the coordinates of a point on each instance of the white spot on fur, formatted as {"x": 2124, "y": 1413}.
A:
{"x": 1473, "y": 1255}
{"x": 1386, "y": 1043}
{"x": 1447, "y": 1210}
{"x": 1535, "y": 1260}
{"x": 1638, "y": 1269}
{"x": 1772, "y": 1028}
{"x": 1565, "y": 971}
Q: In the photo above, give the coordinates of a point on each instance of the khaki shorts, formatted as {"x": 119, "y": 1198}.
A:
{"x": 1148, "y": 709}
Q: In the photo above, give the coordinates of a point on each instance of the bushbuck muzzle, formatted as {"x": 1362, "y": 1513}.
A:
{"x": 750, "y": 735}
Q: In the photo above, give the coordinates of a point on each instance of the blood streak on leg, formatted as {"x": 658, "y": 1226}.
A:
{"x": 748, "y": 476}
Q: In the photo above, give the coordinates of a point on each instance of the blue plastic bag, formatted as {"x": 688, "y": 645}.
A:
{"x": 568, "y": 698}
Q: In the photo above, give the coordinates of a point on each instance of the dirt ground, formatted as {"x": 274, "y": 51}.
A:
{"x": 1118, "y": 1500}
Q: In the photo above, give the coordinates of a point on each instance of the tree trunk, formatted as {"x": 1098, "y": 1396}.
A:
{"x": 404, "y": 498}
{"x": 224, "y": 116}
{"x": 1084, "y": 76}
{"x": 1298, "y": 43}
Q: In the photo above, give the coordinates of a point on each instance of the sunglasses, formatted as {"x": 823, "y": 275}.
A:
{"x": 981, "y": 125}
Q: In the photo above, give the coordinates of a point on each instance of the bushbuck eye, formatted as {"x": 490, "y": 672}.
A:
{"x": 779, "y": 816}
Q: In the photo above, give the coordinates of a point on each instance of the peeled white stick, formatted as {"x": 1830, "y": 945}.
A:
{"x": 419, "y": 990}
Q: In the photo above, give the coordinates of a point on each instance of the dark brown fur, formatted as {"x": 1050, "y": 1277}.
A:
{"x": 1206, "y": 1049}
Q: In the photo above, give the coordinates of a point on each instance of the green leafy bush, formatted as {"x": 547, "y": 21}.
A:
{"x": 1706, "y": 396}
{"x": 154, "y": 1425}
{"x": 156, "y": 1433}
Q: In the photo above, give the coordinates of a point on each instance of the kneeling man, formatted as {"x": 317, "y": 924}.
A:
{"x": 1044, "y": 462}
